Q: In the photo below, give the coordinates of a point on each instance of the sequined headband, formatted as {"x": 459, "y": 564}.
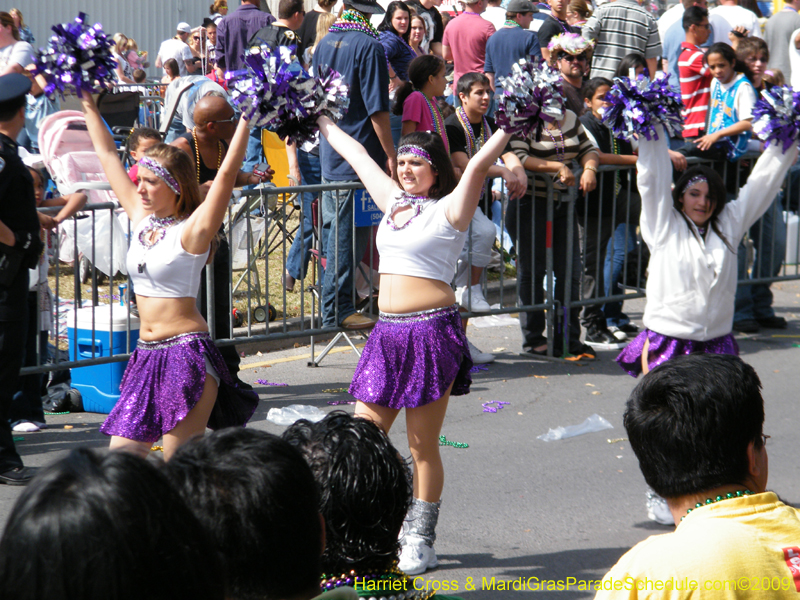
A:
{"x": 160, "y": 172}
{"x": 694, "y": 181}
{"x": 417, "y": 151}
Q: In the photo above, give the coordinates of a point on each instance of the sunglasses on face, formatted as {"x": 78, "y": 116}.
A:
{"x": 571, "y": 58}
{"x": 196, "y": 38}
{"x": 231, "y": 120}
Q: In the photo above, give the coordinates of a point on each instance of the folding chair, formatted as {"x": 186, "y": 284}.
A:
{"x": 120, "y": 110}
{"x": 367, "y": 269}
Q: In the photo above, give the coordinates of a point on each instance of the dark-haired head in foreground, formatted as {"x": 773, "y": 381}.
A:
{"x": 695, "y": 424}
{"x": 365, "y": 490}
{"x": 256, "y": 496}
{"x": 105, "y": 527}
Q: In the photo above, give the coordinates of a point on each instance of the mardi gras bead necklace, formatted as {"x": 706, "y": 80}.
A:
{"x": 197, "y": 153}
{"x": 352, "y": 20}
{"x": 438, "y": 121}
{"x": 152, "y": 234}
{"x": 473, "y": 144}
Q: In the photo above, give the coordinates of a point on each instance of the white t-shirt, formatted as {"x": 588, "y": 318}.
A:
{"x": 734, "y": 16}
{"x": 20, "y": 53}
{"x": 496, "y": 15}
{"x": 176, "y": 49}
{"x": 794, "y": 60}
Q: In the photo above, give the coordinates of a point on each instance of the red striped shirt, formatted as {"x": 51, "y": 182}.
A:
{"x": 695, "y": 88}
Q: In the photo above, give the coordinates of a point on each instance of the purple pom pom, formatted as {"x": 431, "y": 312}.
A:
{"x": 638, "y": 107}
{"x": 274, "y": 91}
{"x": 529, "y": 97}
{"x": 77, "y": 59}
{"x": 776, "y": 116}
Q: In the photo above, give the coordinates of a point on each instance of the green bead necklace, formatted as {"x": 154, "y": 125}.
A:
{"x": 728, "y": 496}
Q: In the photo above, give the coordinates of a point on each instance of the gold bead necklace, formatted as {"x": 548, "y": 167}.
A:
{"x": 197, "y": 153}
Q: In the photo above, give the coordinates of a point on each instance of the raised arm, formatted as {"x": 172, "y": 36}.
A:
{"x": 761, "y": 188}
{"x": 380, "y": 186}
{"x": 106, "y": 150}
{"x": 655, "y": 181}
{"x": 204, "y": 222}
{"x": 464, "y": 199}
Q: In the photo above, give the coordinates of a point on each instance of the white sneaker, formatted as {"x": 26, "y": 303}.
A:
{"x": 478, "y": 357}
{"x": 479, "y": 303}
{"x": 618, "y": 333}
{"x": 25, "y": 427}
{"x": 416, "y": 556}
{"x": 658, "y": 510}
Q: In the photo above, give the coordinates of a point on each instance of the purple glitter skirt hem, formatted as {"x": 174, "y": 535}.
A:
{"x": 663, "y": 347}
{"x": 410, "y": 360}
{"x": 164, "y": 381}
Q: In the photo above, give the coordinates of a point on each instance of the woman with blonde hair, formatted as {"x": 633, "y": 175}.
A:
{"x": 418, "y": 37}
{"x": 25, "y": 34}
{"x": 124, "y": 70}
{"x": 218, "y": 10}
{"x": 578, "y": 12}
{"x": 176, "y": 382}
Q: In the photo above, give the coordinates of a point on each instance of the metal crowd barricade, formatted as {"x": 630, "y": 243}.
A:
{"x": 307, "y": 326}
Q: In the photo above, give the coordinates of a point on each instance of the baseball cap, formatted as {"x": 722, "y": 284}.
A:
{"x": 521, "y": 6}
{"x": 366, "y": 6}
{"x": 184, "y": 27}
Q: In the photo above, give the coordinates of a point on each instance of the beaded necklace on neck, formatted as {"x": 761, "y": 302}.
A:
{"x": 352, "y": 20}
{"x": 511, "y": 23}
{"x": 560, "y": 149}
{"x": 720, "y": 498}
{"x": 197, "y": 153}
{"x": 438, "y": 121}
{"x": 415, "y": 201}
{"x": 473, "y": 144}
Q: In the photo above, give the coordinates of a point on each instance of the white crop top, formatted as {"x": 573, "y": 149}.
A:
{"x": 169, "y": 271}
{"x": 428, "y": 246}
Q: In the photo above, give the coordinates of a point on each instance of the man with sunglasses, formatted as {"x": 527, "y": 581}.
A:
{"x": 569, "y": 54}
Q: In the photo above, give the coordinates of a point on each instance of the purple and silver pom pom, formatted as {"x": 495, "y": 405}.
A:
{"x": 529, "y": 97}
{"x": 776, "y": 116}
{"x": 637, "y": 107}
{"x": 77, "y": 59}
{"x": 275, "y": 92}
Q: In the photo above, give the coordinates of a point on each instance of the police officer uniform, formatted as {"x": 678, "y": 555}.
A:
{"x": 17, "y": 213}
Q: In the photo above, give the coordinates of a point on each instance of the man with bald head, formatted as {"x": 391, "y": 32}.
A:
{"x": 207, "y": 143}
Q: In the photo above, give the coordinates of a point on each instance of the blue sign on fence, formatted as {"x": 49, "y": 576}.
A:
{"x": 367, "y": 212}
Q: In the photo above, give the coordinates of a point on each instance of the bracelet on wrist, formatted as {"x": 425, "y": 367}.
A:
{"x": 590, "y": 168}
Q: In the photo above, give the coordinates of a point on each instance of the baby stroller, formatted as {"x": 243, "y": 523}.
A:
{"x": 97, "y": 237}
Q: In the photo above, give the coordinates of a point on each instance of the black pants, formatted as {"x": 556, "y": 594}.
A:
{"x": 12, "y": 333}
{"x": 27, "y": 401}
{"x": 528, "y": 230}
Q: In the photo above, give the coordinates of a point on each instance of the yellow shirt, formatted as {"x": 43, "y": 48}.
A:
{"x": 736, "y": 549}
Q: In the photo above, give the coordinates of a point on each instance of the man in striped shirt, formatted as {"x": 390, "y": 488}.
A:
{"x": 621, "y": 28}
{"x": 695, "y": 77}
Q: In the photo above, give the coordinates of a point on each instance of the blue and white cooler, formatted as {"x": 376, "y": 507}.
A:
{"x": 99, "y": 384}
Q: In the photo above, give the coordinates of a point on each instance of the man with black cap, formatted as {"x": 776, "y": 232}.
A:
{"x": 20, "y": 246}
{"x": 512, "y": 42}
{"x": 351, "y": 48}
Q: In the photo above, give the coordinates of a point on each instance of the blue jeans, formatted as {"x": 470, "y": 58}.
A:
{"x": 396, "y": 122}
{"x": 255, "y": 152}
{"x": 300, "y": 253}
{"x": 176, "y": 129}
{"x": 769, "y": 236}
{"x": 616, "y": 252}
{"x": 341, "y": 259}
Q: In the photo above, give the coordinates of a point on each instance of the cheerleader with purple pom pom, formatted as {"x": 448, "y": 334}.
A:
{"x": 417, "y": 354}
{"x": 176, "y": 382}
{"x": 693, "y": 231}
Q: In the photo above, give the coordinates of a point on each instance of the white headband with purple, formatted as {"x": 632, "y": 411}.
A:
{"x": 161, "y": 172}
{"x": 694, "y": 181}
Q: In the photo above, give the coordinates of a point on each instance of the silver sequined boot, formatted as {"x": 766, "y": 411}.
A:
{"x": 417, "y": 537}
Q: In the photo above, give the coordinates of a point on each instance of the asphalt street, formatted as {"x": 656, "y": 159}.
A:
{"x": 514, "y": 507}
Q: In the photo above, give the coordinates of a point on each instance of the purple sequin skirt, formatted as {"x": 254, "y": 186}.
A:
{"x": 664, "y": 347}
{"x": 163, "y": 382}
{"x": 410, "y": 360}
